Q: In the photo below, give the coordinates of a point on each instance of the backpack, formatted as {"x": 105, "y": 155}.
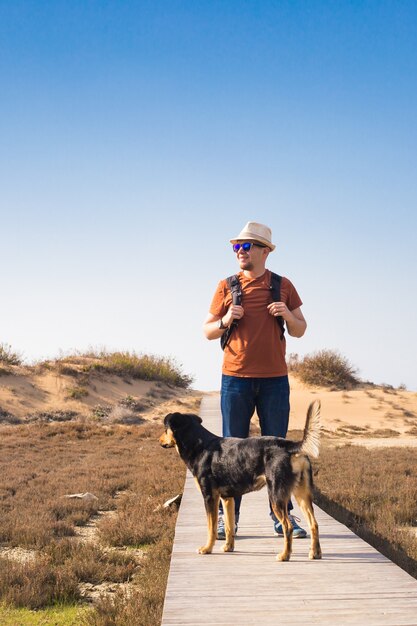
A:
{"x": 235, "y": 287}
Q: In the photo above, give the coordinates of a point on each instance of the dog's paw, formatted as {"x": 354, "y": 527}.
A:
{"x": 228, "y": 547}
{"x": 204, "y": 550}
{"x": 314, "y": 555}
{"x": 284, "y": 556}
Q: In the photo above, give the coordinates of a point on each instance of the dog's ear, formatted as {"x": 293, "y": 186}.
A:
{"x": 174, "y": 421}
{"x": 168, "y": 419}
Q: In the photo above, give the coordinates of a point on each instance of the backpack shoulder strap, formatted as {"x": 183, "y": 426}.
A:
{"x": 275, "y": 287}
{"x": 235, "y": 287}
{"x": 276, "y": 280}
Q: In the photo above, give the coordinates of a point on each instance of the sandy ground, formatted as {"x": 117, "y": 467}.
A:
{"x": 28, "y": 395}
{"x": 369, "y": 415}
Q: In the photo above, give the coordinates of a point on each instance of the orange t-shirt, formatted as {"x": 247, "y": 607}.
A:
{"x": 255, "y": 348}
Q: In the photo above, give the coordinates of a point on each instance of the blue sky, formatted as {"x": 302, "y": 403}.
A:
{"x": 137, "y": 138}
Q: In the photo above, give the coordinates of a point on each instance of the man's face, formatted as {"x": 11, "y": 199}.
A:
{"x": 253, "y": 258}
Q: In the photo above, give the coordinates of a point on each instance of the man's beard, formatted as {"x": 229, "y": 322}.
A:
{"x": 245, "y": 264}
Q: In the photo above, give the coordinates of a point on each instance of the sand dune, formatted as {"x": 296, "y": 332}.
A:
{"x": 27, "y": 394}
{"x": 369, "y": 415}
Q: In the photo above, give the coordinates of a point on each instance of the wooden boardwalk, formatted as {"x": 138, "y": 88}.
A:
{"x": 353, "y": 584}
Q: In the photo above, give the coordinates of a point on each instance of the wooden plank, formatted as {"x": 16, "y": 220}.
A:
{"x": 353, "y": 584}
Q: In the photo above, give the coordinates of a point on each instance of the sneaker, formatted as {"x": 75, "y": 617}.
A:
{"x": 221, "y": 531}
{"x": 298, "y": 532}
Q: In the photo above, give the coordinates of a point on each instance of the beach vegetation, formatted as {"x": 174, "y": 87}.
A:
{"x": 326, "y": 368}
{"x": 8, "y": 356}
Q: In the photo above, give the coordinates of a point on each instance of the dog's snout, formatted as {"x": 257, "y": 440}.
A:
{"x": 166, "y": 440}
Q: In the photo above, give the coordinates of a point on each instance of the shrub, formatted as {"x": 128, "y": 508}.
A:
{"x": 327, "y": 368}
{"x": 127, "y": 364}
{"x": 144, "y": 367}
{"x": 76, "y": 393}
{"x": 8, "y": 357}
{"x": 134, "y": 404}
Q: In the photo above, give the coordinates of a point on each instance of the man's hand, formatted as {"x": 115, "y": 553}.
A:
{"x": 235, "y": 312}
{"x": 295, "y": 322}
{"x": 279, "y": 308}
{"x": 211, "y": 325}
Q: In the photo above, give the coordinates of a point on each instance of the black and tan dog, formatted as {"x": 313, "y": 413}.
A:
{"x": 228, "y": 467}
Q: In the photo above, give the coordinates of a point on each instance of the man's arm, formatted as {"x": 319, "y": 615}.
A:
{"x": 295, "y": 321}
{"x": 296, "y": 324}
{"x": 211, "y": 327}
{"x": 211, "y": 324}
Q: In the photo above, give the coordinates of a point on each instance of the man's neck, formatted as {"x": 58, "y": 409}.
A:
{"x": 255, "y": 273}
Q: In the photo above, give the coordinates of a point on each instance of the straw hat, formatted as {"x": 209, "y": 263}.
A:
{"x": 255, "y": 232}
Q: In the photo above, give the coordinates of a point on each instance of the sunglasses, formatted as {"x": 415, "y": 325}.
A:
{"x": 246, "y": 246}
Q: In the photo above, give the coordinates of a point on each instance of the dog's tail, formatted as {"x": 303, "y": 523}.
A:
{"x": 311, "y": 440}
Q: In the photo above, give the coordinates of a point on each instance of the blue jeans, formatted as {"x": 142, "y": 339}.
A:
{"x": 239, "y": 399}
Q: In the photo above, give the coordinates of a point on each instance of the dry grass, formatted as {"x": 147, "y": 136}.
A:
{"x": 143, "y": 603}
{"x": 353, "y": 430}
{"x": 129, "y": 473}
{"x": 375, "y": 493}
{"x": 125, "y": 364}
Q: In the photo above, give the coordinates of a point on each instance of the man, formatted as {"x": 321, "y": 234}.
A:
{"x": 254, "y": 373}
